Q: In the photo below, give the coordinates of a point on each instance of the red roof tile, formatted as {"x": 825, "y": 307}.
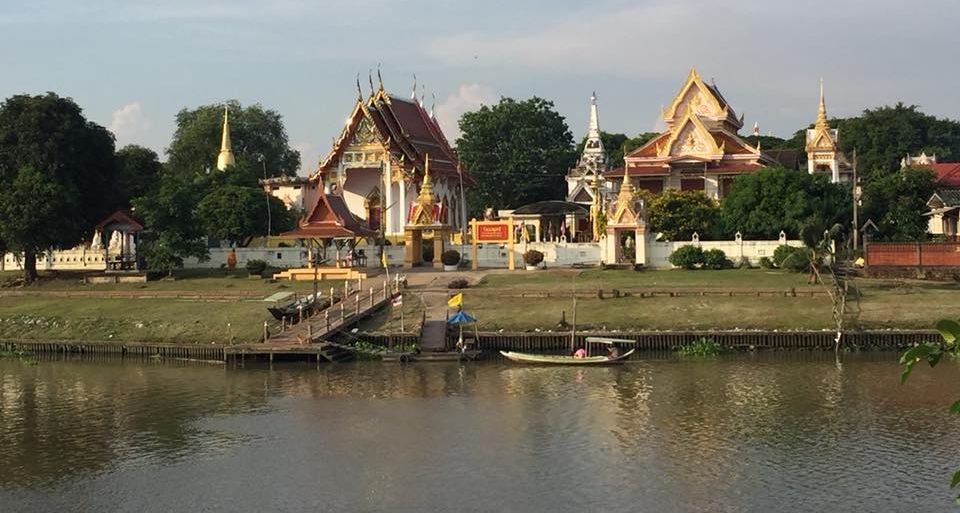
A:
{"x": 948, "y": 173}
{"x": 328, "y": 219}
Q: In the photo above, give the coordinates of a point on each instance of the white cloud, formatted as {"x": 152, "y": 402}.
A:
{"x": 468, "y": 97}
{"x": 129, "y": 123}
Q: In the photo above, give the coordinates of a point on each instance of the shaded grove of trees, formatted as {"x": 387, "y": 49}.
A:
{"x": 761, "y": 204}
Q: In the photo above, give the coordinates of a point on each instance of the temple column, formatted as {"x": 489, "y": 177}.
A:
{"x": 412, "y": 248}
{"x": 390, "y": 228}
{"x": 438, "y": 236}
{"x": 403, "y": 202}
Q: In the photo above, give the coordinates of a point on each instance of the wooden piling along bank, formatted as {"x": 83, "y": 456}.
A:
{"x": 132, "y": 349}
{"x": 557, "y": 342}
{"x": 670, "y": 340}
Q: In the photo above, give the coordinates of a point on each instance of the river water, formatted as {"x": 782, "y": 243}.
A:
{"x": 758, "y": 432}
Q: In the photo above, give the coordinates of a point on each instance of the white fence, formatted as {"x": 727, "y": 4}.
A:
{"x": 556, "y": 254}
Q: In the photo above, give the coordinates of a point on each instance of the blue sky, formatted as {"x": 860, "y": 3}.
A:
{"x": 133, "y": 64}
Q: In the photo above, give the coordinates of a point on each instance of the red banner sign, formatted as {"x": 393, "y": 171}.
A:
{"x": 493, "y": 232}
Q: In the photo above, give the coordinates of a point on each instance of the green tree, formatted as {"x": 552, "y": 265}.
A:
{"x": 259, "y": 140}
{"x": 172, "y": 229}
{"x": 769, "y": 142}
{"x": 884, "y": 135}
{"x": 238, "y": 214}
{"x": 932, "y": 353}
{"x": 138, "y": 171}
{"x": 57, "y": 175}
{"x": 895, "y": 202}
{"x": 517, "y": 151}
{"x": 677, "y": 215}
{"x": 761, "y": 204}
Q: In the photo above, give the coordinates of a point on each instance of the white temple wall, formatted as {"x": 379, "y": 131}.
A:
{"x": 359, "y": 185}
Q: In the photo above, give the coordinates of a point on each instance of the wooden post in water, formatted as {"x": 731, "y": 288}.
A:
{"x": 385, "y": 289}
{"x": 371, "y": 297}
{"x": 266, "y": 331}
{"x": 358, "y": 304}
{"x": 326, "y": 320}
{"x": 309, "y": 334}
{"x": 342, "y": 317}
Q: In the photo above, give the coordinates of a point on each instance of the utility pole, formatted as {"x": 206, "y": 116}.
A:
{"x": 856, "y": 204}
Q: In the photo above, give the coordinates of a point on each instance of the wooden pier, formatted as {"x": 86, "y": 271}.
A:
{"x": 309, "y": 338}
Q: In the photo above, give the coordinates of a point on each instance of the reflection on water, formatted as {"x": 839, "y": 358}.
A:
{"x": 752, "y": 432}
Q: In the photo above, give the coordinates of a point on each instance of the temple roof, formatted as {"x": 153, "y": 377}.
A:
{"x": 947, "y": 173}
{"x": 406, "y": 128}
{"x": 330, "y": 218}
{"x": 122, "y": 218}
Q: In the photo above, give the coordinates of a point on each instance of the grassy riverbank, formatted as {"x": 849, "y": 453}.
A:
{"x": 516, "y": 302}
{"x": 519, "y": 301}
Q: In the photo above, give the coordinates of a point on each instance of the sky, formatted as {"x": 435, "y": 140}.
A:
{"x": 132, "y": 64}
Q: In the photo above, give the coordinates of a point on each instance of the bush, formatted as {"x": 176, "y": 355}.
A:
{"x": 781, "y": 253}
{"x": 766, "y": 263}
{"x": 744, "y": 263}
{"x": 256, "y": 267}
{"x": 532, "y": 257}
{"x": 716, "y": 259}
{"x": 450, "y": 257}
{"x": 798, "y": 261}
{"x": 459, "y": 283}
{"x": 688, "y": 257}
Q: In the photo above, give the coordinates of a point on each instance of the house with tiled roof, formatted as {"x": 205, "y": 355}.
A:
{"x": 700, "y": 150}
{"x": 944, "y": 205}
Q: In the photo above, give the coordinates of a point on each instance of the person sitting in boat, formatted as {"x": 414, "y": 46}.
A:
{"x": 580, "y": 353}
{"x": 613, "y": 353}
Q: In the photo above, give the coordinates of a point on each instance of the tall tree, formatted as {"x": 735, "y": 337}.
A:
{"x": 761, "y": 204}
{"x": 258, "y": 137}
{"x": 57, "y": 175}
{"x": 517, "y": 151}
{"x": 678, "y": 215}
{"x": 238, "y": 214}
{"x": 138, "y": 171}
{"x": 895, "y": 202}
{"x": 172, "y": 229}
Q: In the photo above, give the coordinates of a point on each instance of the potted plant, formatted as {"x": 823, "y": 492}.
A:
{"x": 450, "y": 259}
{"x": 532, "y": 258}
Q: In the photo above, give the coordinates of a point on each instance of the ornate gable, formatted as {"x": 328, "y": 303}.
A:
{"x": 690, "y": 137}
{"x": 696, "y": 96}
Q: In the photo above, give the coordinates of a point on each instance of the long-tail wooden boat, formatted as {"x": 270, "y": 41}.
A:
{"x": 563, "y": 359}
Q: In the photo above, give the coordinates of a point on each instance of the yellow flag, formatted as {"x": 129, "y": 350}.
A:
{"x": 455, "y": 301}
{"x": 383, "y": 259}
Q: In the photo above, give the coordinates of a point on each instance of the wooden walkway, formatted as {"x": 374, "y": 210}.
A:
{"x": 309, "y": 337}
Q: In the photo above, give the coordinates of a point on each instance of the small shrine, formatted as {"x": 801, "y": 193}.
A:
{"x": 626, "y": 229}
{"x": 329, "y": 223}
{"x": 117, "y": 236}
{"x": 425, "y": 219}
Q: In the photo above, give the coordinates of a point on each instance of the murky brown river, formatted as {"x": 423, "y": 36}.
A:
{"x": 765, "y": 432}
